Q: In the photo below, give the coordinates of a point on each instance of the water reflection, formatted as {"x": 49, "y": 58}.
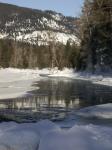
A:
{"x": 55, "y": 100}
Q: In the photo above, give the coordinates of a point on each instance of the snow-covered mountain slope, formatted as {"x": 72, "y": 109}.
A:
{"x": 36, "y": 26}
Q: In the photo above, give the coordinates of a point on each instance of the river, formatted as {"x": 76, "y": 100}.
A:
{"x": 57, "y": 99}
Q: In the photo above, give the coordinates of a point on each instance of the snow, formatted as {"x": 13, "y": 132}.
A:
{"x": 17, "y": 82}
{"x": 54, "y": 22}
{"x": 57, "y": 17}
{"x": 105, "y": 81}
{"x": 3, "y": 35}
{"x": 100, "y": 111}
{"x": 79, "y": 137}
{"x": 71, "y": 73}
{"x": 43, "y": 36}
{"x": 9, "y": 23}
{"x": 22, "y": 140}
{"x": 50, "y": 23}
{"x": 24, "y": 136}
{"x": 46, "y": 135}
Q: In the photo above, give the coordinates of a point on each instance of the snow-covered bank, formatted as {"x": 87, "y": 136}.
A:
{"x": 79, "y": 137}
{"x": 17, "y": 82}
{"x": 46, "y": 135}
{"x": 94, "y": 78}
{"x": 105, "y": 81}
{"x": 99, "y": 111}
{"x": 15, "y": 136}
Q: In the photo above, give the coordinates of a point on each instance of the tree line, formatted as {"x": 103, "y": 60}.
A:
{"x": 93, "y": 54}
{"x": 24, "y": 55}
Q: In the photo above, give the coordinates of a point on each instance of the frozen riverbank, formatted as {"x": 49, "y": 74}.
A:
{"x": 46, "y": 135}
{"x": 17, "y": 82}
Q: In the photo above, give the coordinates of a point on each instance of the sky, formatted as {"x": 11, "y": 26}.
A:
{"x": 66, "y": 7}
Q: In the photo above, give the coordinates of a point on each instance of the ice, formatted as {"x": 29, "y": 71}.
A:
{"x": 100, "y": 111}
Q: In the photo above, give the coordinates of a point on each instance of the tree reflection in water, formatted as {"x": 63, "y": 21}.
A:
{"x": 55, "y": 100}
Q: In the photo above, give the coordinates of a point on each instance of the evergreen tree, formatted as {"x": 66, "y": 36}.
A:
{"x": 96, "y": 31}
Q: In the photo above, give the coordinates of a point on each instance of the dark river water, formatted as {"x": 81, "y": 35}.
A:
{"x": 56, "y": 99}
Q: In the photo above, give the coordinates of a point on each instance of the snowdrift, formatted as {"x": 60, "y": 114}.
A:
{"x": 46, "y": 135}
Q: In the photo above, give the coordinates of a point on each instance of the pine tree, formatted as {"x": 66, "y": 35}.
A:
{"x": 96, "y": 31}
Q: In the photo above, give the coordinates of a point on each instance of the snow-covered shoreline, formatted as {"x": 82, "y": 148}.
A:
{"x": 17, "y": 82}
{"x": 46, "y": 135}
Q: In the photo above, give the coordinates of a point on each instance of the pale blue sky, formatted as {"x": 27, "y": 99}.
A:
{"x": 67, "y": 7}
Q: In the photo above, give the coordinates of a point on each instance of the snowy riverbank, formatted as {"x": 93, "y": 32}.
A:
{"x": 45, "y": 135}
{"x": 17, "y": 82}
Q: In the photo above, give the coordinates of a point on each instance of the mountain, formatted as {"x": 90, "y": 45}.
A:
{"x": 36, "y": 26}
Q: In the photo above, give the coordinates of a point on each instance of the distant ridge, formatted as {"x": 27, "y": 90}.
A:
{"x": 30, "y": 25}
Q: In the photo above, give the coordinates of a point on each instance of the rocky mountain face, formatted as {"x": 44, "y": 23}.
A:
{"x": 36, "y": 26}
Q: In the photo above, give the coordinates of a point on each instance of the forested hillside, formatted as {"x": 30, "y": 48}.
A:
{"x": 36, "y": 26}
{"x": 32, "y": 38}
{"x": 83, "y": 43}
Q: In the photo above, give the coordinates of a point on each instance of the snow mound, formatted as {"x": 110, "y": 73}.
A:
{"x": 46, "y": 135}
{"x": 19, "y": 140}
{"x": 46, "y": 126}
{"x": 17, "y": 137}
{"x": 79, "y": 138}
{"x": 99, "y": 111}
{"x": 24, "y": 136}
